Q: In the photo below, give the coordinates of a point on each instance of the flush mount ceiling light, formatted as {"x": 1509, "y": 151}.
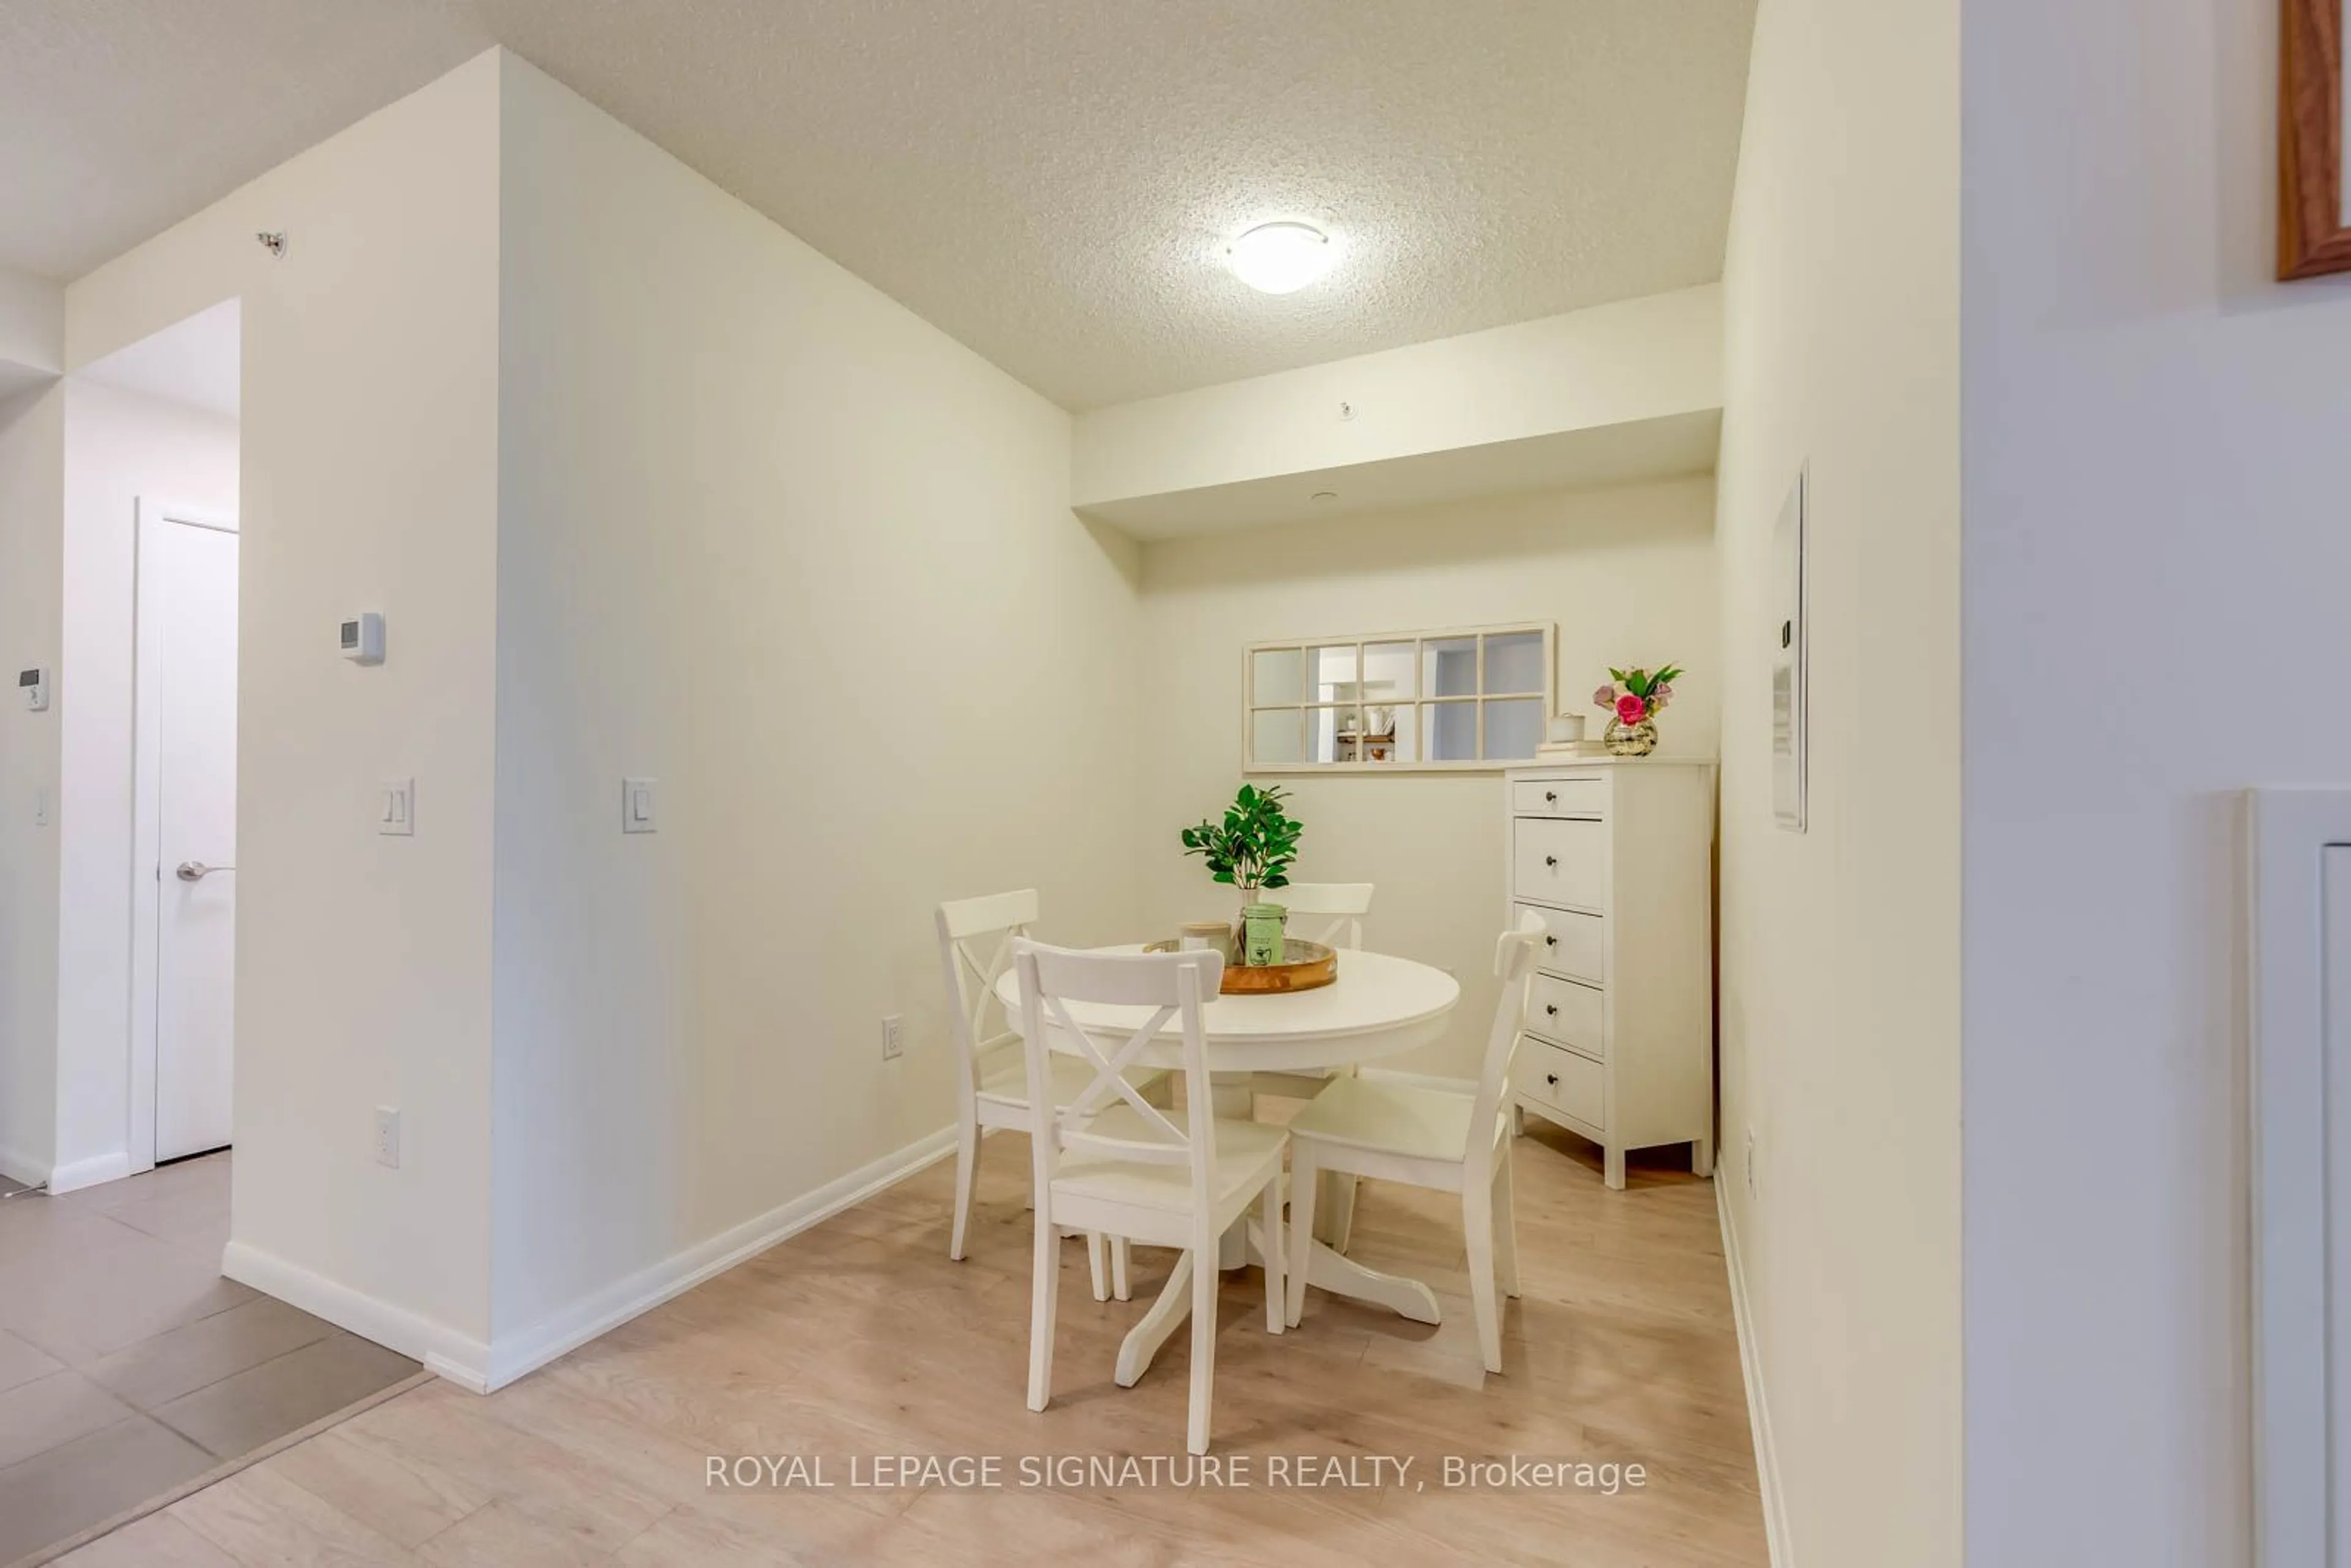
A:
{"x": 1280, "y": 258}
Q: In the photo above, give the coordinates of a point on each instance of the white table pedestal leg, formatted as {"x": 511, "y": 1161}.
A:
{"x": 1166, "y": 1315}
{"x": 1342, "y": 1276}
{"x": 1335, "y": 1271}
{"x": 1334, "y": 1208}
{"x": 1325, "y": 1269}
{"x": 1230, "y": 1092}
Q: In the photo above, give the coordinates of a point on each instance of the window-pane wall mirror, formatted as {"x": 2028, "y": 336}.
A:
{"x": 1398, "y": 702}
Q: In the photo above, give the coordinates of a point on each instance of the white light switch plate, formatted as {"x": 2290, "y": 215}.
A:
{"x": 395, "y": 808}
{"x": 639, "y": 813}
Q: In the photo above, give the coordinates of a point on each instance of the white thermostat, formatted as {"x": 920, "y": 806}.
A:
{"x": 34, "y": 687}
{"x": 362, "y": 638}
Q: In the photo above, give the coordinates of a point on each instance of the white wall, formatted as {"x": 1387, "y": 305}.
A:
{"x": 32, "y": 499}
{"x": 2155, "y": 557}
{"x": 119, "y": 446}
{"x": 1840, "y": 947}
{"x": 369, "y": 482}
{"x": 32, "y": 331}
{"x": 1628, "y": 575}
{"x": 1613, "y": 364}
{"x": 768, "y": 538}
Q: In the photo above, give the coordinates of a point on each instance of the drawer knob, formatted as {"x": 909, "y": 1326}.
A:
{"x": 1552, "y": 1008}
{"x": 1550, "y": 860}
{"x": 1552, "y": 1079}
{"x": 1551, "y": 796}
{"x": 1551, "y": 941}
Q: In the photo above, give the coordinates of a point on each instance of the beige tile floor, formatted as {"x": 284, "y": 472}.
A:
{"x": 129, "y": 1365}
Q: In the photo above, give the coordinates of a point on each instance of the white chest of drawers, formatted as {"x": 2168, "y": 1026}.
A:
{"x": 1616, "y": 855}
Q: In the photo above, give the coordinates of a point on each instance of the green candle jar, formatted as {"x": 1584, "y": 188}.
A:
{"x": 1262, "y": 933}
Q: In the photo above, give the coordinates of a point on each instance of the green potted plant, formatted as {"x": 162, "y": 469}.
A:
{"x": 1252, "y": 848}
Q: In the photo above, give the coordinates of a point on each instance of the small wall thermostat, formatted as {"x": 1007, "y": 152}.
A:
{"x": 33, "y": 686}
{"x": 361, "y": 637}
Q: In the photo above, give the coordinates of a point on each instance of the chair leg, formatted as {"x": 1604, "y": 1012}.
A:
{"x": 1204, "y": 1343}
{"x": 1277, "y": 1299}
{"x": 1477, "y": 1224}
{"x": 1094, "y": 1266}
{"x": 1044, "y": 1290}
{"x": 1119, "y": 1288}
{"x": 966, "y": 1171}
{"x": 1303, "y": 1180}
{"x": 1506, "y": 1223}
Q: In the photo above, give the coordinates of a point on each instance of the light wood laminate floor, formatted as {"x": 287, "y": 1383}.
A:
{"x": 860, "y": 1338}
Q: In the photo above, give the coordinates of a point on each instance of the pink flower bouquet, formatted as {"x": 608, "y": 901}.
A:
{"x": 1643, "y": 695}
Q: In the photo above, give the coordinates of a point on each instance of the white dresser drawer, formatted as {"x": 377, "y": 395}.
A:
{"x": 1574, "y": 944}
{"x": 1569, "y": 1014}
{"x": 1562, "y": 1081}
{"x": 1560, "y": 797}
{"x": 1556, "y": 860}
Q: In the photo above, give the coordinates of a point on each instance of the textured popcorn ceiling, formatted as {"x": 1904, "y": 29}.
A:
{"x": 1049, "y": 181}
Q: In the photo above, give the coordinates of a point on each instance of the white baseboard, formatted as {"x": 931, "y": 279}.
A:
{"x": 20, "y": 1167}
{"x": 97, "y": 1168}
{"x": 442, "y": 1349}
{"x": 471, "y": 1364}
{"x": 1751, "y": 1366}
{"x": 513, "y": 1355}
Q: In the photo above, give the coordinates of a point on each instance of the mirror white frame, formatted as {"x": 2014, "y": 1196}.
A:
{"x": 1274, "y": 687}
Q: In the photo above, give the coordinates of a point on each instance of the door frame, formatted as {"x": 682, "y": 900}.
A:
{"x": 147, "y": 802}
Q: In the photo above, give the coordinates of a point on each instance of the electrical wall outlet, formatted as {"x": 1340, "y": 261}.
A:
{"x": 387, "y": 1136}
{"x": 894, "y": 1038}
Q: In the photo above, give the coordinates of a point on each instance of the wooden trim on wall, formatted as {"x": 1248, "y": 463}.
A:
{"x": 2312, "y": 237}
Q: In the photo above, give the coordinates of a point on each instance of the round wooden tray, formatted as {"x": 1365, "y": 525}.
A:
{"x": 1308, "y": 965}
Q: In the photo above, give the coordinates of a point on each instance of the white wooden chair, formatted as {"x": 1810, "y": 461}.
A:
{"x": 1330, "y": 913}
{"x": 976, "y": 937}
{"x": 1112, "y": 1163}
{"x": 1334, "y": 911}
{"x": 1446, "y": 1140}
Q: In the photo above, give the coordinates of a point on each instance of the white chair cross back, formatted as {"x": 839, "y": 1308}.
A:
{"x": 976, "y": 937}
{"x": 1330, "y": 913}
{"x": 1110, "y": 1162}
{"x": 1334, "y": 911}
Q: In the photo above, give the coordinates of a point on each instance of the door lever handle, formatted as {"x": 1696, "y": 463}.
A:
{"x": 196, "y": 870}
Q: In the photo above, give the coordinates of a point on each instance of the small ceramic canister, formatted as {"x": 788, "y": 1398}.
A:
{"x": 1211, "y": 935}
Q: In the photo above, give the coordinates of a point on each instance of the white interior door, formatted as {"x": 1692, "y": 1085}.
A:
{"x": 195, "y": 688}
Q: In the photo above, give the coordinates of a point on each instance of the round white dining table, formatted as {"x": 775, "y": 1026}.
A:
{"x": 1380, "y": 1006}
